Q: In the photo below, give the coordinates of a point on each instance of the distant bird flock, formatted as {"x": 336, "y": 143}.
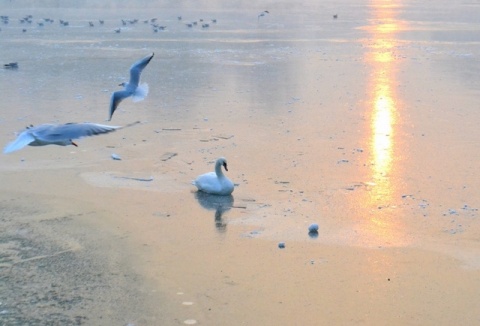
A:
{"x": 29, "y": 22}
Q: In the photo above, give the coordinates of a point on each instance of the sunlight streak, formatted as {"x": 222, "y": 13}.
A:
{"x": 381, "y": 197}
{"x": 382, "y": 143}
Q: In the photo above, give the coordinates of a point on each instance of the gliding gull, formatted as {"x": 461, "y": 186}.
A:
{"x": 137, "y": 92}
{"x": 63, "y": 134}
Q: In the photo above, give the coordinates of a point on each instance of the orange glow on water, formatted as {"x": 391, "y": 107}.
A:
{"x": 382, "y": 134}
{"x": 383, "y": 104}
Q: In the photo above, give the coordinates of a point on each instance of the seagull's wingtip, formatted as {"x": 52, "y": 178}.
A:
{"x": 9, "y": 148}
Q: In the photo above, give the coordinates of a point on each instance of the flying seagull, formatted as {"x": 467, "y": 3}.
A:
{"x": 137, "y": 92}
{"x": 262, "y": 14}
{"x": 60, "y": 134}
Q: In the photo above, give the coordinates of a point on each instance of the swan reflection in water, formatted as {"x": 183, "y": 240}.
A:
{"x": 219, "y": 204}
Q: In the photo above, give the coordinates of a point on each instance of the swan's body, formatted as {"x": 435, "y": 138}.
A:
{"x": 62, "y": 135}
{"x": 215, "y": 183}
{"x": 132, "y": 88}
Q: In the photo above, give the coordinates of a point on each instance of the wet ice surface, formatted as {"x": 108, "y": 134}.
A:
{"x": 51, "y": 275}
{"x": 364, "y": 124}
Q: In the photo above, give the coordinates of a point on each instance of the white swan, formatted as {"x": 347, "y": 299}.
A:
{"x": 215, "y": 183}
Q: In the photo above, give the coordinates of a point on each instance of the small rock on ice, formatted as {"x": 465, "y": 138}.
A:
{"x": 313, "y": 227}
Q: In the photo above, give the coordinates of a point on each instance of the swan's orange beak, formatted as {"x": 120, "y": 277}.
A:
{"x": 73, "y": 143}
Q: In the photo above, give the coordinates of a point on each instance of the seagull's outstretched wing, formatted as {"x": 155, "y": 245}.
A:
{"x": 71, "y": 131}
{"x": 137, "y": 68}
{"x": 115, "y": 100}
{"x": 48, "y": 134}
{"x": 22, "y": 140}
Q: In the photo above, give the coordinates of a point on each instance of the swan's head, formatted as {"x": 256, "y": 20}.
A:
{"x": 222, "y": 161}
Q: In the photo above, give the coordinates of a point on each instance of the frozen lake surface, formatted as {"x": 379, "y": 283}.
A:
{"x": 365, "y": 124}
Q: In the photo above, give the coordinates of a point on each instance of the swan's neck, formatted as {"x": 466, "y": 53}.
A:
{"x": 218, "y": 170}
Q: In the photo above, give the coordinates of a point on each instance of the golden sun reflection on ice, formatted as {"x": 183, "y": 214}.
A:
{"x": 382, "y": 125}
{"x": 382, "y": 225}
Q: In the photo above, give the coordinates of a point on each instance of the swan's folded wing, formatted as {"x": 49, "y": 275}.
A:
{"x": 207, "y": 182}
{"x": 22, "y": 140}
